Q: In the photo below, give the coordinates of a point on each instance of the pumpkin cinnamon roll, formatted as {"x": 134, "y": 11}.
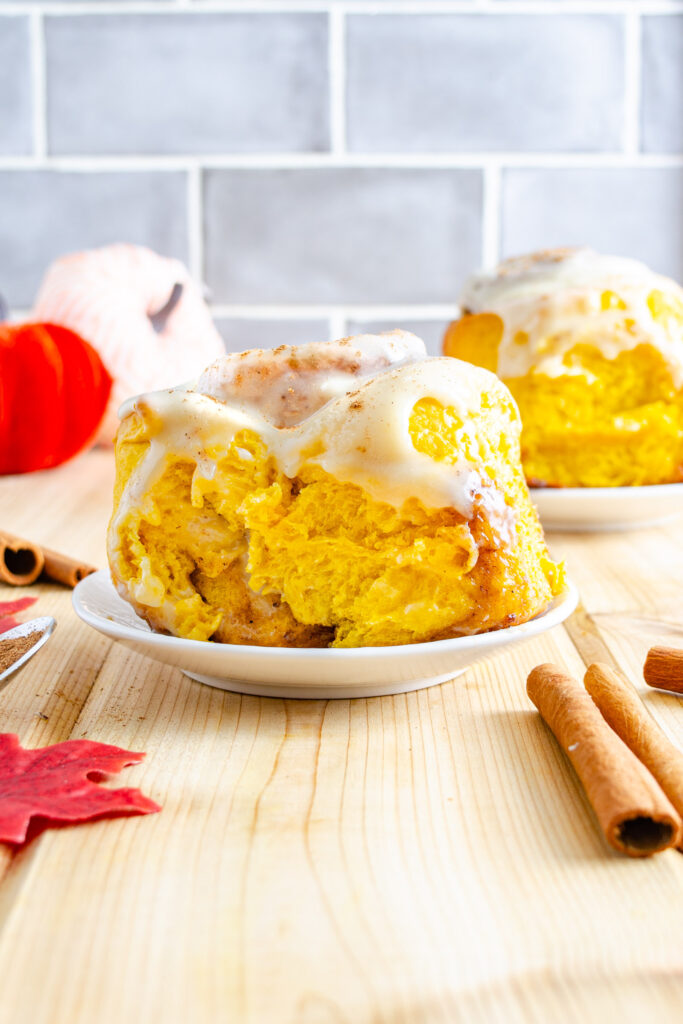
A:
{"x": 351, "y": 493}
{"x": 591, "y": 347}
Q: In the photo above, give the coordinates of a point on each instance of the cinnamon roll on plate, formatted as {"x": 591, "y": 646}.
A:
{"x": 346, "y": 494}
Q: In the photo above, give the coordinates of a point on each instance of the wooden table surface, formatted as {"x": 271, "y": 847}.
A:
{"x": 428, "y": 857}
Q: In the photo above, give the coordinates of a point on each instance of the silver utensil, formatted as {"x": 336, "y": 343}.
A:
{"x": 44, "y": 625}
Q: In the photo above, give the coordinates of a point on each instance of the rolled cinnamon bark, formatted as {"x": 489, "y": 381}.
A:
{"x": 21, "y": 561}
{"x": 663, "y": 669}
{"x": 623, "y": 710}
{"x": 634, "y": 814}
{"x": 63, "y": 569}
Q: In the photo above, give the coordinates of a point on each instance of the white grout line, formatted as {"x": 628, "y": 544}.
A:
{"x": 336, "y": 314}
{"x": 274, "y": 312}
{"x": 337, "y": 80}
{"x": 338, "y": 321}
{"x": 39, "y": 93}
{"x": 386, "y": 161}
{"x": 632, "y": 73}
{"x": 338, "y": 317}
{"x": 490, "y": 243}
{"x": 566, "y": 7}
{"x": 476, "y": 7}
{"x": 195, "y": 224}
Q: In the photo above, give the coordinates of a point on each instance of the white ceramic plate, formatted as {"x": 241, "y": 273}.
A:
{"x": 303, "y": 672}
{"x": 607, "y": 508}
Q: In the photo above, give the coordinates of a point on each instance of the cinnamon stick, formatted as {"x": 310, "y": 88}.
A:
{"x": 663, "y": 669}
{"x": 63, "y": 569}
{"x": 634, "y": 814}
{"x": 21, "y": 561}
{"x": 623, "y": 710}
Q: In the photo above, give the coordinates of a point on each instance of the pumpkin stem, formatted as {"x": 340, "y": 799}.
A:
{"x": 158, "y": 319}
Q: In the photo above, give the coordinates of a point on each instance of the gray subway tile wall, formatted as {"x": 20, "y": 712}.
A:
{"x": 44, "y": 214}
{"x": 16, "y": 103}
{"x": 240, "y": 334}
{"x": 442, "y": 82}
{"x": 626, "y": 211}
{"x": 332, "y": 166}
{"x": 178, "y": 83}
{"x": 341, "y": 235}
{"x": 662, "y": 105}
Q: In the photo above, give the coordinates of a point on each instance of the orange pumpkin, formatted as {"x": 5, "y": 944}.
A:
{"x": 53, "y": 393}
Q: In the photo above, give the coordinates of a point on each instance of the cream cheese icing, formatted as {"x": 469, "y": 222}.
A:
{"x": 361, "y": 436}
{"x": 289, "y": 383}
{"x": 551, "y": 301}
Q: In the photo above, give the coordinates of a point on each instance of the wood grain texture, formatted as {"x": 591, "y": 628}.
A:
{"x": 428, "y": 857}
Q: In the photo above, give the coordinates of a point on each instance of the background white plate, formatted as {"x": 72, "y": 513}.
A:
{"x": 303, "y": 672}
{"x": 607, "y": 508}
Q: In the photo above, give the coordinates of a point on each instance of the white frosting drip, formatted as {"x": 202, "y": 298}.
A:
{"x": 556, "y": 299}
{"x": 360, "y": 437}
{"x": 289, "y": 383}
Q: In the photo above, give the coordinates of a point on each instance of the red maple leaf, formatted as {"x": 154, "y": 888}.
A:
{"x": 60, "y": 783}
{"x": 8, "y": 610}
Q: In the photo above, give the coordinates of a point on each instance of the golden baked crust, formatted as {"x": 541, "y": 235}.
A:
{"x": 592, "y": 350}
{"x": 245, "y": 553}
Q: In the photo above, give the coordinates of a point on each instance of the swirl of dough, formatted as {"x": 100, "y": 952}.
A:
{"x": 289, "y": 383}
{"x": 353, "y": 493}
{"x": 542, "y": 304}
